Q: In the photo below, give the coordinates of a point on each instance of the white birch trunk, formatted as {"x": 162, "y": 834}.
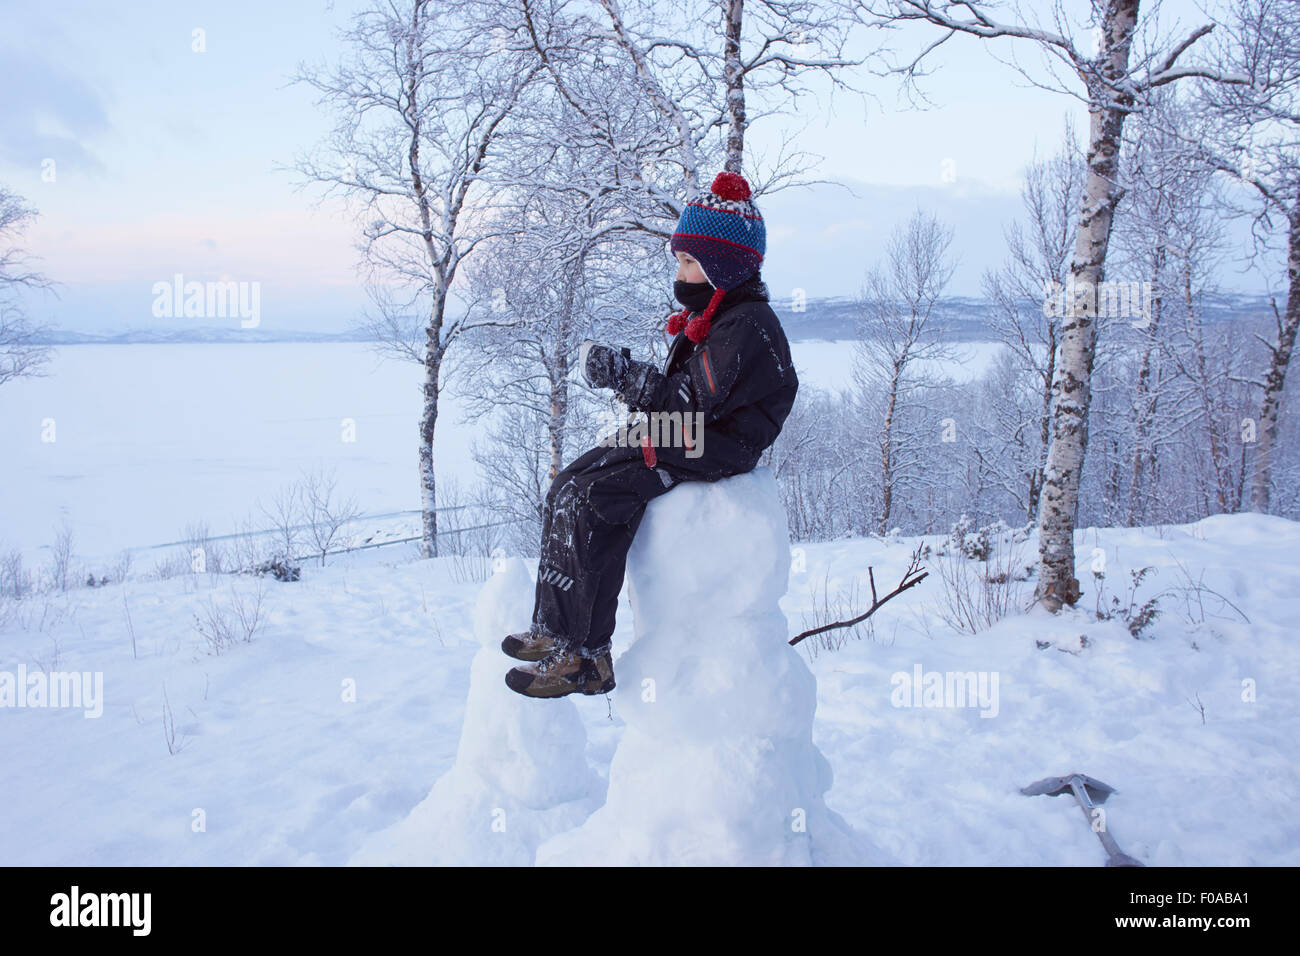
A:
{"x": 1275, "y": 378}
{"x": 1144, "y": 413}
{"x": 1044, "y": 430}
{"x": 428, "y": 478}
{"x": 734, "y": 79}
{"x": 887, "y": 453}
{"x": 1071, "y": 383}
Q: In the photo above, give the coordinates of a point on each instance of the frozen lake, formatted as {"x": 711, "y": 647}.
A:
{"x": 147, "y": 439}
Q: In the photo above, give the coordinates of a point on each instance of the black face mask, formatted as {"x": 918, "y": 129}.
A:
{"x": 694, "y": 295}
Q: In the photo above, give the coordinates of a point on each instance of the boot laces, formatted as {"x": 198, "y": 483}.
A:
{"x": 554, "y": 660}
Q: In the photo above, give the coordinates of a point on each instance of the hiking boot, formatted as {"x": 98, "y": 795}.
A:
{"x": 562, "y": 673}
{"x": 529, "y": 646}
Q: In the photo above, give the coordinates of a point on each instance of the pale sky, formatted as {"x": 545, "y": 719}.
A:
{"x": 171, "y": 161}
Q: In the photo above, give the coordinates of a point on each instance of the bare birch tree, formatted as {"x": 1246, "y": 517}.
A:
{"x": 1193, "y": 250}
{"x": 697, "y": 62}
{"x": 1259, "y": 145}
{"x": 634, "y": 104}
{"x": 1114, "y": 79}
{"x": 577, "y": 262}
{"x": 897, "y": 341}
{"x": 1038, "y": 260}
{"x": 326, "y": 512}
{"x": 21, "y": 351}
{"x": 1171, "y": 237}
{"x": 420, "y": 101}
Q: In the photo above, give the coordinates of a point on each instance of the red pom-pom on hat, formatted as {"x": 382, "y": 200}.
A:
{"x": 730, "y": 185}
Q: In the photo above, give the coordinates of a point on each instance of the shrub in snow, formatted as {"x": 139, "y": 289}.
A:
{"x": 238, "y": 621}
{"x": 969, "y": 541}
{"x": 979, "y": 569}
{"x": 1136, "y": 617}
{"x": 280, "y": 568}
{"x": 15, "y": 580}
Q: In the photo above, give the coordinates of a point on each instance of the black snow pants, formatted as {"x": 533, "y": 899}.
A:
{"x": 592, "y": 512}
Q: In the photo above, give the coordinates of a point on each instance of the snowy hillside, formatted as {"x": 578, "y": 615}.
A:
{"x": 347, "y": 705}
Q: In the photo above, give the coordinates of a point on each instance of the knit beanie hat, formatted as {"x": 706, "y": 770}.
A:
{"x": 723, "y": 230}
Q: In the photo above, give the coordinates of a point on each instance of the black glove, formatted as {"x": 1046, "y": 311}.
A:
{"x": 602, "y": 366}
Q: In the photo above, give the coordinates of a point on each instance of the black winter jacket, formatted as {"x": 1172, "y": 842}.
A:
{"x": 740, "y": 377}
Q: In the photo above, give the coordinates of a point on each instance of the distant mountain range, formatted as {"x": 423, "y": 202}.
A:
{"x": 828, "y": 319}
{"x": 203, "y": 334}
{"x": 964, "y": 319}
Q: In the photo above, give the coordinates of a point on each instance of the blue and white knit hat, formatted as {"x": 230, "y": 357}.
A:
{"x": 723, "y": 230}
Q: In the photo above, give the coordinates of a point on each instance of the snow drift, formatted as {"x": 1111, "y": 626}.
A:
{"x": 520, "y": 773}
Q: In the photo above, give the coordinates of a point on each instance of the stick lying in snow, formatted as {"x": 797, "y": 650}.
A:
{"x": 914, "y": 574}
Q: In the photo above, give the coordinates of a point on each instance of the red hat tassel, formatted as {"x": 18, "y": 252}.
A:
{"x": 697, "y": 329}
{"x": 677, "y": 321}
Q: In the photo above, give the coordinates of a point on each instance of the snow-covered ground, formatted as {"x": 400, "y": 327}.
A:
{"x": 331, "y": 725}
{"x": 335, "y": 721}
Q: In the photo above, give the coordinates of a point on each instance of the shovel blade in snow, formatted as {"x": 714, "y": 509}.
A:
{"x": 1096, "y": 791}
{"x": 1089, "y": 793}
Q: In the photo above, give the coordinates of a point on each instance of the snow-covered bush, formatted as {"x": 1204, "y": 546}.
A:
{"x": 970, "y": 541}
{"x": 981, "y": 570}
{"x": 279, "y": 567}
{"x": 1136, "y": 617}
{"x": 15, "y": 580}
{"x": 175, "y": 563}
{"x": 976, "y": 542}
{"x": 238, "y": 622}
{"x": 468, "y": 533}
{"x": 61, "y": 559}
{"x": 197, "y": 538}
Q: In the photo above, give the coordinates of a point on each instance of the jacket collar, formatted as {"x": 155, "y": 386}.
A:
{"x": 753, "y": 289}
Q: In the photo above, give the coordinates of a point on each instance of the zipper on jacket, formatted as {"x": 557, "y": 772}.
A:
{"x": 708, "y": 370}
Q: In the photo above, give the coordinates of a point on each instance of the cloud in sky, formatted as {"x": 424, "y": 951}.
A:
{"x": 173, "y": 161}
{"x": 49, "y": 110}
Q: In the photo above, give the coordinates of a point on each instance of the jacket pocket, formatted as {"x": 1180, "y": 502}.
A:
{"x": 707, "y": 366}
